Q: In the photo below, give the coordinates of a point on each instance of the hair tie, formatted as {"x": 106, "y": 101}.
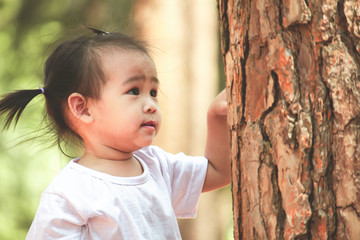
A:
{"x": 99, "y": 32}
{"x": 42, "y": 89}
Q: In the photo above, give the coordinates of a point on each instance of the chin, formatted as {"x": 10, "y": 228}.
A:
{"x": 143, "y": 143}
{"x": 146, "y": 143}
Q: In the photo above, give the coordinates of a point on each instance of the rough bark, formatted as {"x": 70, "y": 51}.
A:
{"x": 292, "y": 70}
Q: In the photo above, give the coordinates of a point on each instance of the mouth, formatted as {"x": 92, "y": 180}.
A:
{"x": 149, "y": 124}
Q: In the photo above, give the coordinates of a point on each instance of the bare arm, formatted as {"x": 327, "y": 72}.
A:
{"x": 217, "y": 149}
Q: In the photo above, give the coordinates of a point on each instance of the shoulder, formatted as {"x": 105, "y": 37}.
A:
{"x": 70, "y": 182}
{"x": 153, "y": 157}
{"x": 169, "y": 162}
{"x": 158, "y": 154}
{"x": 151, "y": 151}
{"x": 81, "y": 188}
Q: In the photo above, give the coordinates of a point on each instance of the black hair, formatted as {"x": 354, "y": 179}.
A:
{"x": 74, "y": 66}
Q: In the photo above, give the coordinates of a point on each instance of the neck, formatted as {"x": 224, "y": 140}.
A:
{"x": 114, "y": 162}
{"x": 107, "y": 153}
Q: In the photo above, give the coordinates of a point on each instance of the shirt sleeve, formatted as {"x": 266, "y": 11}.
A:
{"x": 185, "y": 176}
{"x": 55, "y": 219}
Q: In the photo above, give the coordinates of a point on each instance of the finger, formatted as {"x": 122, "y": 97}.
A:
{"x": 222, "y": 108}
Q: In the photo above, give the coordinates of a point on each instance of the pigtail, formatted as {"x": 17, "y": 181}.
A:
{"x": 13, "y": 104}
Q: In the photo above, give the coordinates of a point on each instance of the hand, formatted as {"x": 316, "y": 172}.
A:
{"x": 219, "y": 106}
{"x": 217, "y": 149}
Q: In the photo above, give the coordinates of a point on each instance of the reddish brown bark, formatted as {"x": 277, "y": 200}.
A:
{"x": 292, "y": 70}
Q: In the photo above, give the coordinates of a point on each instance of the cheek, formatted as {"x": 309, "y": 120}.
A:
{"x": 159, "y": 119}
{"x": 159, "y": 113}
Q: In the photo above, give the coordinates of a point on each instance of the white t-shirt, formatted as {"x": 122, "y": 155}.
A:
{"x": 81, "y": 203}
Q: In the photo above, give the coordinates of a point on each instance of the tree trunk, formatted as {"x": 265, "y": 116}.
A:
{"x": 292, "y": 70}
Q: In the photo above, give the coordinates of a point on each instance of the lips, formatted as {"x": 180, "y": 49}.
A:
{"x": 148, "y": 124}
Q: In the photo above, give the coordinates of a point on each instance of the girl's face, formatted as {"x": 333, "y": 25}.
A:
{"x": 127, "y": 116}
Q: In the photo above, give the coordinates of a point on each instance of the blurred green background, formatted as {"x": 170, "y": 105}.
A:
{"x": 29, "y": 31}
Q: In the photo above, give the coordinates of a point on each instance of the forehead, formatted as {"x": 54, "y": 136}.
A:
{"x": 119, "y": 65}
{"x": 122, "y": 59}
{"x": 123, "y": 67}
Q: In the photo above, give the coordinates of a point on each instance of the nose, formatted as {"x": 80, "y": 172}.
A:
{"x": 150, "y": 106}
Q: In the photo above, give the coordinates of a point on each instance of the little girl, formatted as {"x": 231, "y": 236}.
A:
{"x": 102, "y": 90}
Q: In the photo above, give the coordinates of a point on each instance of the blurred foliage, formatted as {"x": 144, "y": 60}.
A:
{"x": 28, "y": 29}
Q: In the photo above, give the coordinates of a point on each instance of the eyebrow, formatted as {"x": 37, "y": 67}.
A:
{"x": 138, "y": 78}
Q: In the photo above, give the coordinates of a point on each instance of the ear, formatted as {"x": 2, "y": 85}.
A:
{"x": 77, "y": 104}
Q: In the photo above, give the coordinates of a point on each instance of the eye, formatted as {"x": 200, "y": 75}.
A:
{"x": 153, "y": 93}
{"x": 134, "y": 91}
